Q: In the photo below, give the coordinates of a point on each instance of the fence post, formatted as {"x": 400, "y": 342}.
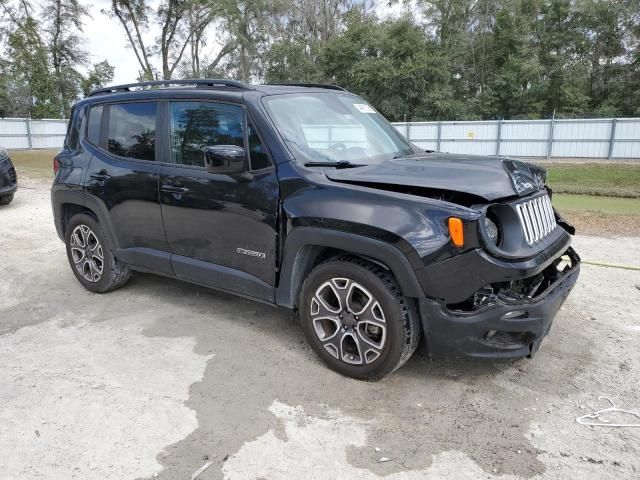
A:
{"x": 552, "y": 126}
{"x": 406, "y": 128}
{"x": 612, "y": 138}
{"x": 29, "y": 139}
{"x": 439, "y": 136}
{"x": 499, "y": 137}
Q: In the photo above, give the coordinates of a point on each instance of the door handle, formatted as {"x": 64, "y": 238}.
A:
{"x": 173, "y": 189}
{"x": 101, "y": 176}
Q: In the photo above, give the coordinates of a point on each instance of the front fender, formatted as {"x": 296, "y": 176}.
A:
{"x": 304, "y": 243}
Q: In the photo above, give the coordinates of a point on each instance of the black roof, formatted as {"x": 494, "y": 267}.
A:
{"x": 210, "y": 84}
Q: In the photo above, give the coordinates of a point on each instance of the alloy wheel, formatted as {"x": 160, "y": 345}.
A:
{"x": 349, "y": 321}
{"x": 87, "y": 253}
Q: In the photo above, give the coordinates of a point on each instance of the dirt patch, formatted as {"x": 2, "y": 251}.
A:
{"x": 604, "y": 224}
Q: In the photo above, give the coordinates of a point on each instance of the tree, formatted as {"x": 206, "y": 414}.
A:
{"x": 100, "y": 75}
{"x": 200, "y": 14}
{"x": 610, "y": 30}
{"x": 301, "y": 29}
{"x": 458, "y": 59}
{"x": 173, "y": 43}
{"x": 394, "y": 66}
{"x": 247, "y": 24}
{"x": 30, "y": 83}
{"x": 134, "y": 16}
{"x": 65, "y": 48}
{"x": 40, "y": 69}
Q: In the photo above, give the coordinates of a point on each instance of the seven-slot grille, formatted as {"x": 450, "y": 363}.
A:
{"x": 537, "y": 218}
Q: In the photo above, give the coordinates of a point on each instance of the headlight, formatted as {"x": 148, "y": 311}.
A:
{"x": 492, "y": 230}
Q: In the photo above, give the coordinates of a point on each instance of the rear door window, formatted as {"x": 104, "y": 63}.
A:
{"x": 196, "y": 125}
{"x": 95, "y": 122}
{"x": 132, "y": 130}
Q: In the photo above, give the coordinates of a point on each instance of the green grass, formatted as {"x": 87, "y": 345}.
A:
{"x": 33, "y": 163}
{"x": 611, "y": 180}
{"x": 594, "y": 203}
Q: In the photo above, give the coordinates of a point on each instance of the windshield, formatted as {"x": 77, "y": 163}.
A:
{"x": 334, "y": 127}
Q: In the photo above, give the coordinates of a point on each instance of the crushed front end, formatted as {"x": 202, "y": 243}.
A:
{"x": 498, "y": 297}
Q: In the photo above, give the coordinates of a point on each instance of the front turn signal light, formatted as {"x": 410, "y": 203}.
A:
{"x": 456, "y": 231}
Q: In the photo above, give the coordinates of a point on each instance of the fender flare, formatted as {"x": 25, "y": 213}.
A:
{"x": 61, "y": 197}
{"x": 82, "y": 199}
{"x": 97, "y": 206}
{"x": 303, "y": 245}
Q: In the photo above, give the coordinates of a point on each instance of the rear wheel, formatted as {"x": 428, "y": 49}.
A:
{"x": 356, "y": 319}
{"x": 6, "y": 200}
{"x": 91, "y": 256}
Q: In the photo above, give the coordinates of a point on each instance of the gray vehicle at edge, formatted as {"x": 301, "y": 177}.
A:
{"x": 304, "y": 197}
{"x": 8, "y": 178}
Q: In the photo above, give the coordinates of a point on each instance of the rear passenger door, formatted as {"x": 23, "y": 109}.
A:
{"x": 221, "y": 228}
{"x": 122, "y": 180}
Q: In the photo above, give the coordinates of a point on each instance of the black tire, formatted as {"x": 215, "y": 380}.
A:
{"x": 6, "y": 200}
{"x": 403, "y": 328}
{"x": 114, "y": 273}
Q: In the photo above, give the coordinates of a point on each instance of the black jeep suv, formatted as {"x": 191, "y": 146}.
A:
{"x": 303, "y": 196}
{"x": 8, "y": 178}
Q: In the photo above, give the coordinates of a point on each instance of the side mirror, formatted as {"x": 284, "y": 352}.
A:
{"x": 225, "y": 159}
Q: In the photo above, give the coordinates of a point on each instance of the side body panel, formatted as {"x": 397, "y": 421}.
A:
{"x": 73, "y": 161}
{"x": 125, "y": 191}
{"x": 220, "y": 219}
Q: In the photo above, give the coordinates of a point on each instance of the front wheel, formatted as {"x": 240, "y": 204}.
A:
{"x": 356, "y": 319}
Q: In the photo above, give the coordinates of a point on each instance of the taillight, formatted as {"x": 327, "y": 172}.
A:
{"x": 56, "y": 165}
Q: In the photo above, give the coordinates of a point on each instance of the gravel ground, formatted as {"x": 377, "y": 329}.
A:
{"x": 161, "y": 378}
{"x": 609, "y": 225}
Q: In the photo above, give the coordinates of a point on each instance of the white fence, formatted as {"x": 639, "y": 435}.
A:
{"x": 612, "y": 138}
{"x": 27, "y": 133}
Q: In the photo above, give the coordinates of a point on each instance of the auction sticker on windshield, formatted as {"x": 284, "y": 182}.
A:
{"x": 364, "y": 108}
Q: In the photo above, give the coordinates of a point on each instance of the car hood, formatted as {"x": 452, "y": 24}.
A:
{"x": 490, "y": 178}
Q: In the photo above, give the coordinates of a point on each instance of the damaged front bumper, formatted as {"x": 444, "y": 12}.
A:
{"x": 505, "y": 321}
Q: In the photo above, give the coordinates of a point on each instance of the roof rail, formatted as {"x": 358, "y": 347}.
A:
{"x": 311, "y": 85}
{"x": 206, "y": 83}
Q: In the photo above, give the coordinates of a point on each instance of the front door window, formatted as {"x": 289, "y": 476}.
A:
{"x": 196, "y": 125}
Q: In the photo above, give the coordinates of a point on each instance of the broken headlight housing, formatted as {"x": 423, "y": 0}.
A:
{"x": 492, "y": 230}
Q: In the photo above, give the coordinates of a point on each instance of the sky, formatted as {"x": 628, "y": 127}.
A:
{"x": 106, "y": 39}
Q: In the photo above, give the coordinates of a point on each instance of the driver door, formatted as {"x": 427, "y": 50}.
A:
{"x": 221, "y": 228}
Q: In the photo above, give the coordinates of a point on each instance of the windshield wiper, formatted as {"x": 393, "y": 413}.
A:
{"x": 338, "y": 164}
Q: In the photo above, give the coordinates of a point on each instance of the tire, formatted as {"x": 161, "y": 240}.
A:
{"x": 369, "y": 343}
{"x": 88, "y": 249}
{"x": 6, "y": 200}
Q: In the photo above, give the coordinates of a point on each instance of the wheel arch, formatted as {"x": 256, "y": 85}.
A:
{"x": 305, "y": 247}
{"x": 67, "y": 203}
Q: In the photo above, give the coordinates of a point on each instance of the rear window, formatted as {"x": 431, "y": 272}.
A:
{"x": 132, "y": 130}
{"x": 93, "y": 127}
